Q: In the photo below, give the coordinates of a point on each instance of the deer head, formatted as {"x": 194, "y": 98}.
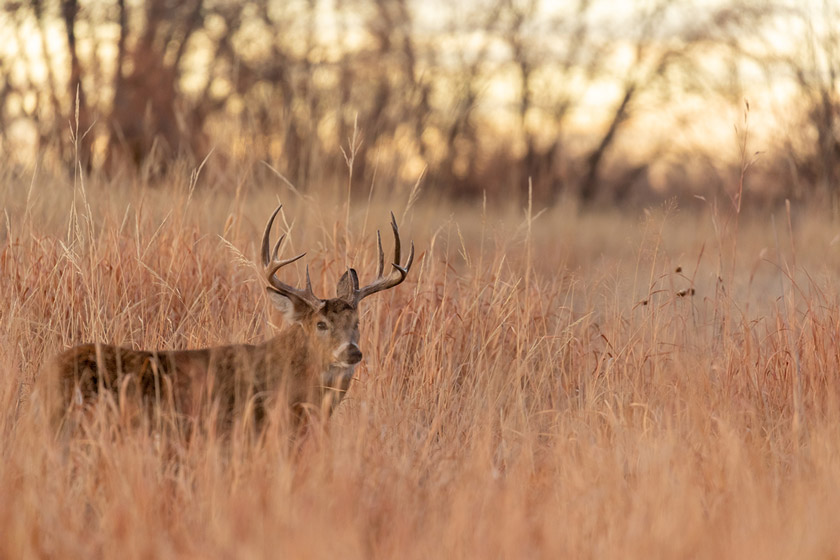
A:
{"x": 332, "y": 325}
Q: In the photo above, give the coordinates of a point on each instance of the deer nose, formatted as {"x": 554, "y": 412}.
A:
{"x": 352, "y": 354}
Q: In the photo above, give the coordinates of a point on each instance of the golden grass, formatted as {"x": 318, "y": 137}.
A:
{"x": 517, "y": 398}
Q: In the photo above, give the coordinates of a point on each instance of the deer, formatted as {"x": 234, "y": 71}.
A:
{"x": 305, "y": 369}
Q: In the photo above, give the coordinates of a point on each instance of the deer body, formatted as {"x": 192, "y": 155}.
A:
{"x": 194, "y": 382}
{"x": 306, "y": 368}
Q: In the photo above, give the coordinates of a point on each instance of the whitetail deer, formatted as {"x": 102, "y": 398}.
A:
{"x": 308, "y": 366}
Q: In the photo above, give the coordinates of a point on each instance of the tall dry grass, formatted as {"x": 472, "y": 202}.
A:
{"x": 540, "y": 386}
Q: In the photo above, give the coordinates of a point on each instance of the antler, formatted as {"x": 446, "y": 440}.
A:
{"x": 396, "y": 275}
{"x": 272, "y": 264}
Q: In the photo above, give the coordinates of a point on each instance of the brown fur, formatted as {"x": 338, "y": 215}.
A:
{"x": 295, "y": 370}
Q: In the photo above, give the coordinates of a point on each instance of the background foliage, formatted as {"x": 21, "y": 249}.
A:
{"x": 583, "y": 98}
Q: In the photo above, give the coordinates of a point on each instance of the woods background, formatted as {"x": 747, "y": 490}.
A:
{"x": 602, "y": 102}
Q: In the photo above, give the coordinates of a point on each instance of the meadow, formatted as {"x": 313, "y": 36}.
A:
{"x": 657, "y": 383}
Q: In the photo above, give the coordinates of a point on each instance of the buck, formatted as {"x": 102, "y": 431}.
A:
{"x": 307, "y": 367}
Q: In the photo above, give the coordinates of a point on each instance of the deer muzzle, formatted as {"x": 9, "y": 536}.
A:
{"x": 348, "y": 354}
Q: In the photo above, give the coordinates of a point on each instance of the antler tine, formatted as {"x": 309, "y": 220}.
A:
{"x": 381, "y": 266}
{"x": 398, "y": 273}
{"x": 272, "y": 264}
{"x": 276, "y": 250}
{"x": 410, "y": 257}
{"x": 276, "y": 265}
{"x": 266, "y": 255}
{"x": 396, "y": 239}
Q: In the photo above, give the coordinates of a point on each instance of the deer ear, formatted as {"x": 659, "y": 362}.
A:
{"x": 347, "y": 285}
{"x": 294, "y": 309}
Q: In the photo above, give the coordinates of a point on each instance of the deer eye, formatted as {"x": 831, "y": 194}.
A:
{"x": 322, "y": 326}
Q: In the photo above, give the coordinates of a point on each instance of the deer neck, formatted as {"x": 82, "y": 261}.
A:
{"x": 290, "y": 357}
{"x": 292, "y": 353}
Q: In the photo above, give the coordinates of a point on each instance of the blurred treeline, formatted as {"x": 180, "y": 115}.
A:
{"x": 602, "y": 100}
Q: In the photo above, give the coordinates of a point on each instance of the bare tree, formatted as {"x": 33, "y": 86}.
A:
{"x": 816, "y": 72}
{"x": 299, "y": 77}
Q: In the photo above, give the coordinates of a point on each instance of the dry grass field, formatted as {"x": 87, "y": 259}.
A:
{"x": 661, "y": 384}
